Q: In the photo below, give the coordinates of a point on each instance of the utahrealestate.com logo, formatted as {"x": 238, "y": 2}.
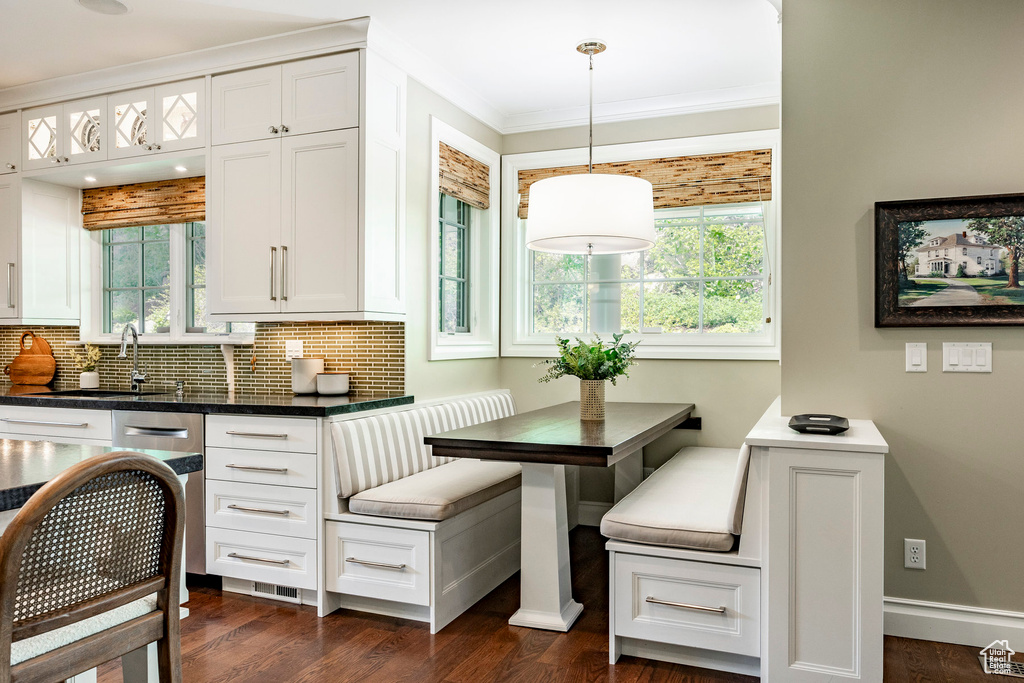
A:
{"x": 995, "y": 659}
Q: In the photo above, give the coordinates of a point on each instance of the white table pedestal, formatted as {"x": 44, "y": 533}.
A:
{"x": 546, "y": 600}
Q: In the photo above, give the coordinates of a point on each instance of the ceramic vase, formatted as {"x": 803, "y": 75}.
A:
{"x": 592, "y": 400}
{"x": 89, "y": 380}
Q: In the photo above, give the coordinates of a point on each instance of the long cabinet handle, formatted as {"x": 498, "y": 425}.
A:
{"x": 382, "y": 565}
{"x": 267, "y": 436}
{"x": 242, "y": 508}
{"x": 258, "y": 559}
{"x": 284, "y": 273}
{"x": 273, "y": 276}
{"x": 683, "y": 605}
{"x": 10, "y": 285}
{"x": 256, "y": 468}
{"x": 12, "y": 421}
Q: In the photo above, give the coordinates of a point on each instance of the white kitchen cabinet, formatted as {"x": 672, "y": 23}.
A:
{"x": 166, "y": 118}
{"x": 40, "y": 232}
{"x": 295, "y": 98}
{"x": 10, "y": 143}
{"x": 68, "y": 133}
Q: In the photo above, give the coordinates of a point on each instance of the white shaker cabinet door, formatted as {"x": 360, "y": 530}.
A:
{"x": 244, "y": 228}
{"x": 247, "y": 105}
{"x": 50, "y": 257}
{"x": 320, "y": 223}
{"x": 10, "y": 227}
{"x": 320, "y": 94}
{"x": 10, "y": 140}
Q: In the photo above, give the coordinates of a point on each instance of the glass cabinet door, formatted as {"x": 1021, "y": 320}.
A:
{"x": 129, "y": 116}
{"x": 182, "y": 122}
{"x": 42, "y": 139}
{"x": 84, "y": 123}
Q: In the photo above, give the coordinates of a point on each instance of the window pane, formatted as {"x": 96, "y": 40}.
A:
{"x": 557, "y": 267}
{"x": 672, "y": 306}
{"x": 733, "y": 249}
{"x": 123, "y": 234}
{"x": 559, "y": 308}
{"x": 630, "y": 312}
{"x": 198, "y": 230}
{"x": 157, "y": 263}
{"x": 125, "y": 263}
{"x": 451, "y": 251}
{"x": 124, "y": 308}
{"x": 156, "y": 232}
{"x": 453, "y": 314}
{"x": 158, "y": 310}
{"x": 199, "y": 262}
{"x": 676, "y": 253}
{"x": 733, "y": 306}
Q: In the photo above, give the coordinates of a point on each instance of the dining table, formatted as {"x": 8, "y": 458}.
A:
{"x": 544, "y": 442}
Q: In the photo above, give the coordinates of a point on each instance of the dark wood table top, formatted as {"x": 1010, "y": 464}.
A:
{"x": 556, "y": 435}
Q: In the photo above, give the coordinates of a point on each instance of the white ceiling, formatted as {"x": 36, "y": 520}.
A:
{"x": 514, "y": 63}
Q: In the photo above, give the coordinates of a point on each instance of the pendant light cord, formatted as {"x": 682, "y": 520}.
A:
{"x": 590, "y": 143}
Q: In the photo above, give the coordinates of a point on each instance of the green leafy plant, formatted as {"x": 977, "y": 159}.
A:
{"x": 591, "y": 361}
{"x": 88, "y": 362}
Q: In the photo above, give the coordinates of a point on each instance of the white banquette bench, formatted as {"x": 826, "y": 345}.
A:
{"x": 411, "y": 535}
{"x": 685, "y": 563}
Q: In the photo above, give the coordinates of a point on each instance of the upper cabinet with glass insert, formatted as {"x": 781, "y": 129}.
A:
{"x": 61, "y": 134}
{"x": 166, "y": 118}
{"x": 295, "y": 98}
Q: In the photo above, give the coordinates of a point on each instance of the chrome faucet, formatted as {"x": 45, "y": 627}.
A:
{"x": 137, "y": 376}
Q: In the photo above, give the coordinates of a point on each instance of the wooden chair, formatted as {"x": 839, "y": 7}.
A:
{"x": 90, "y": 571}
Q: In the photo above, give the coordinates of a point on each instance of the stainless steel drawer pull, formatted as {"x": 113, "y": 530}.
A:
{"x": 263, "y": 510}
{"x": 12, "y": 421}
{"x": 256, "y": 468}
{"x": 164, "y": 432}
{"x": 258, "y": 559}
{"x": 683, "y": 605}
{"x": 266, "y": 436}
{"x": 382, "y": 565}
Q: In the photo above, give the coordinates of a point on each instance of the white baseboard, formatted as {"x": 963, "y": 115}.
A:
{"x": 959, "y": 624}
{"x": 591, "y": 512}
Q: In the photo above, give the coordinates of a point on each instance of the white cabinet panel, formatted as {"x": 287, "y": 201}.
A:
{"x": 260, "y": 432}
{"x": 246, "y": 105}
{"x": 378, "y": 562}
{"x": 284, "y": 510}
{"x": 10, "y": 143}
{"x": 244, "y": 228}
{"x": 320, "y": 226}
{"x": 55, "y": 423}
{"x": 261, "y": 557}
{"x": 261, "y": 467}
{"x": 50, "y": 243}
{"x": 10, "y": 228}
{"x": 320, "y": 94}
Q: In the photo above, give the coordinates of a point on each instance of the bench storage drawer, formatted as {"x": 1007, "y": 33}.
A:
{"x": 696, "y": 604}
{"x": 261, "y": 467}
{"x": 262, "y": 433}
{"x": 261, "y": 557}
{"x": 283, "y": 510}
{"x": 378, "y": 562}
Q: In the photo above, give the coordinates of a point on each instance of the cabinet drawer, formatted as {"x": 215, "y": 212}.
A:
{"x": 643, "y": 586}
{"x": 55, "y": 422}
{"x": 261, "y": 467}
{"x": 378, "y": 562}
{"x": 283, "y": 510}
{"x": 261, "y": 557}
{"x": 287, "y": 434}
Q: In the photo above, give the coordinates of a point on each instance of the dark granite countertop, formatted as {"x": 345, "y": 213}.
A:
{"x": 238, "y": 404}
{"x": 26, "y": 465}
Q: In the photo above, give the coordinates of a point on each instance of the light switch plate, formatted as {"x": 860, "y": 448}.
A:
{"x": 967, "y": 357}
{"x": 917, "y": 357}
{"x": 292, "y": 349}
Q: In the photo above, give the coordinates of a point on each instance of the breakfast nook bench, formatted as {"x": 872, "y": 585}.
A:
{"x": 412, "y": 535}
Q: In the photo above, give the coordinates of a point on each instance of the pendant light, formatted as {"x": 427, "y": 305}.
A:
{"x": 591, "y": 213}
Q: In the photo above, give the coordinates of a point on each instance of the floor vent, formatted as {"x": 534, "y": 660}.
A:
{"x": 271, "y": 590}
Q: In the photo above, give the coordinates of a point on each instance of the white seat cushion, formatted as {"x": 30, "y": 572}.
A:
{"x": 695, "y": 500}
{"x": 23, "y": 650}
{"x": 440, "y": 492}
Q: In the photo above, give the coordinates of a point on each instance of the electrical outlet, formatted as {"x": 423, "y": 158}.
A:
{"x": 913, "y": 553}
{"x": 292, "y": 349}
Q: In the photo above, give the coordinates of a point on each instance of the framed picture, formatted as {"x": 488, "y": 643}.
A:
{"x": 949, "y": 262}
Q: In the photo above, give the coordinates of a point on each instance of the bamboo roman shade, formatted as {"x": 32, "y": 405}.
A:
{"x": 681, "y": 181}
{"x": 463, "y": 177}
{"x": 181, "y": 200}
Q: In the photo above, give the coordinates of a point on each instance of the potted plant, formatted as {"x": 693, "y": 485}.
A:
{"x": 593, "y": 363}
{"x": 89, "y": 378}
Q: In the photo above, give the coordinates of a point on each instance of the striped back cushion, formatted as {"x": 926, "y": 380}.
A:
{"x": 378, "y": 449}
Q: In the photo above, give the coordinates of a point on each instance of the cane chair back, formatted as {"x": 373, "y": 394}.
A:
{"x": 98, "y": 538}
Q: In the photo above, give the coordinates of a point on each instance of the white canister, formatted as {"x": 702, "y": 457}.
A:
{"x": 304, "y": 372}
{"x": 332, "y": 383}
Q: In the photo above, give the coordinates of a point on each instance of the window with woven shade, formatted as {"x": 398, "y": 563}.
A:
{"x": 704, "y": 290}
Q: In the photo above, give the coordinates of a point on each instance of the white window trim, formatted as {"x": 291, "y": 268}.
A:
{"x": 91, "y": 329}
{"x": 484, "y": 255}
{"x": 515, "y": 316}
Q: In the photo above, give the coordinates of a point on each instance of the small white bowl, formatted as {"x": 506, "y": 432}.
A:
{"x": 332, "y": 383}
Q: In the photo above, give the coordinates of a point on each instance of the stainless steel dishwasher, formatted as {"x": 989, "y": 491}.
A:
{"x": 172, "y": 432}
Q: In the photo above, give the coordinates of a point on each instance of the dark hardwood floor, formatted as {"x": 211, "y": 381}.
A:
{"x": 230, "y": 637}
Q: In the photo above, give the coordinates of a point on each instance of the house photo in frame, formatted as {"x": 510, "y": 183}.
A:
{"x": 949, "y": 262}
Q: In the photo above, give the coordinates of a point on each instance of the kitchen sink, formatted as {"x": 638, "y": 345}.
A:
{"x": 95, "y": 393}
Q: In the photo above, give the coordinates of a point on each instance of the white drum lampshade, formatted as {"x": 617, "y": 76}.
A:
{"x": 591, "y": 213}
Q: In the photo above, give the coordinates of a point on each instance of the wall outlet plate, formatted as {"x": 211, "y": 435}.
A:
{"x": 913, "y": 553}
{"x": 292, "y": 349}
